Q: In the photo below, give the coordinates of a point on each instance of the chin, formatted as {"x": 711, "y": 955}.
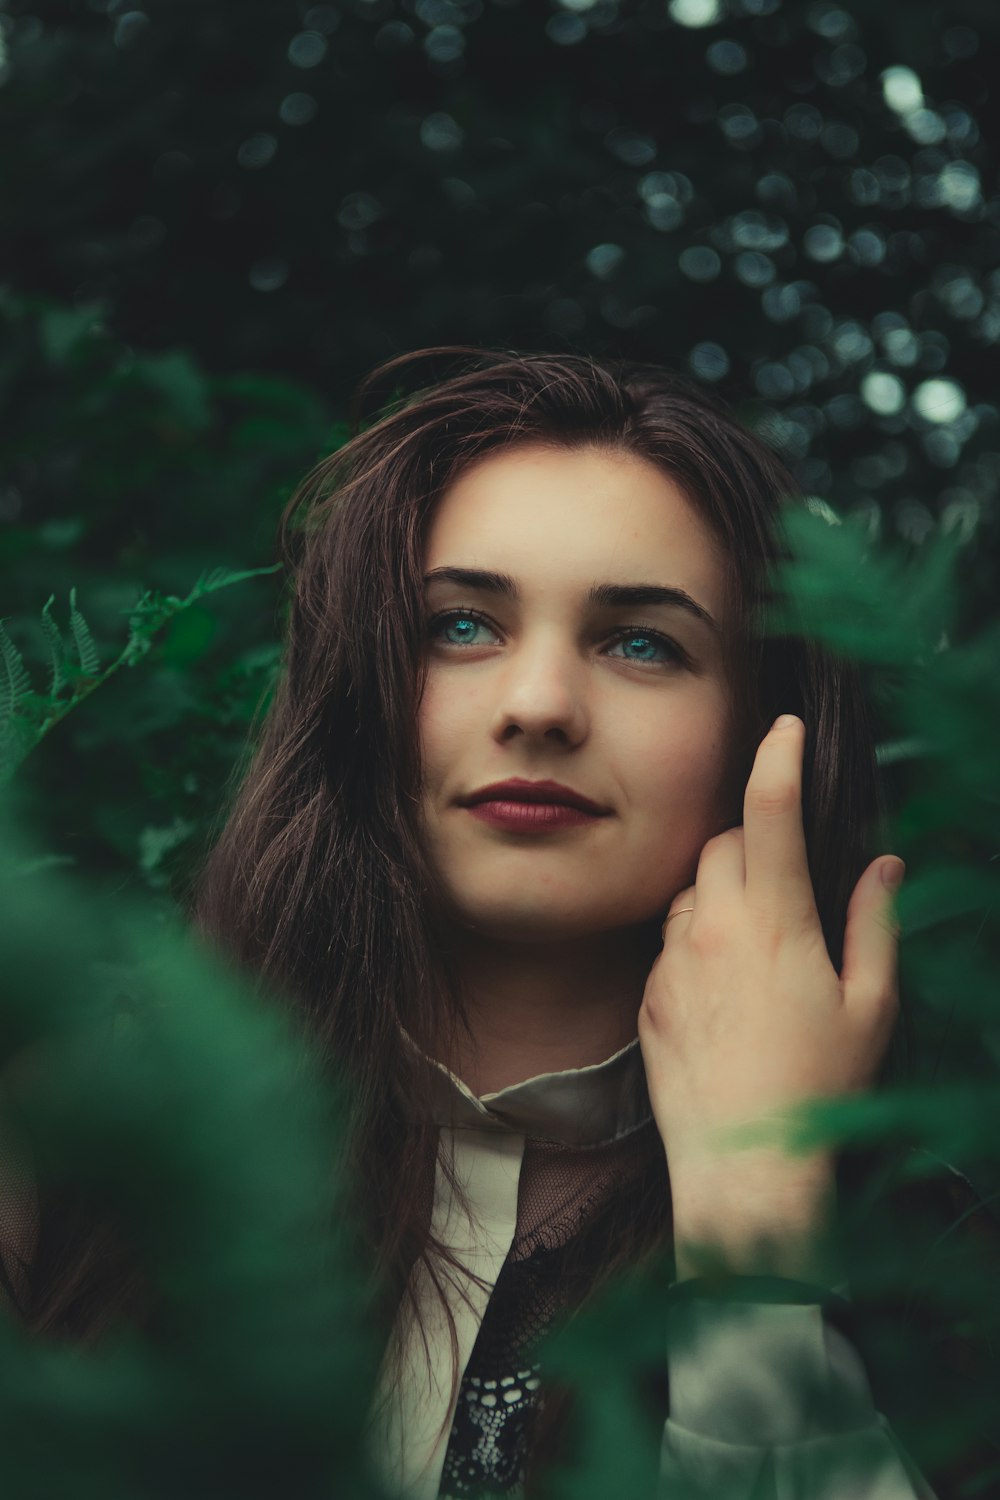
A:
{"x": 518, "y": 926}
{"x": 536, "y": 924}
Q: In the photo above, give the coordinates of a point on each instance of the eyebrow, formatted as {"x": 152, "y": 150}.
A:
{"x": 608, "y": 595}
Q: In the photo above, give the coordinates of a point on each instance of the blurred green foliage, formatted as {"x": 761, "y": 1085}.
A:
{"x": 26, "y": 715}
{"x": 164, "y": 472}
{"x": 142, "y": 1070}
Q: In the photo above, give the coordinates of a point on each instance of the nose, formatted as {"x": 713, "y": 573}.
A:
{"x": 542, "y": 693}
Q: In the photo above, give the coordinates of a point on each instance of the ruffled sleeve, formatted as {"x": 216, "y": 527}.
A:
{"x": 769, "y": 1400}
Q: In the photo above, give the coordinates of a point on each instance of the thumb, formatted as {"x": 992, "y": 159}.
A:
{"x": 871, "y": 936}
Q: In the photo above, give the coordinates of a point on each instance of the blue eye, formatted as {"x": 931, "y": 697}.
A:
{"x": 659, "y": 643}
{"x": 465, "y": 617}
{"x": 629, "y": 635}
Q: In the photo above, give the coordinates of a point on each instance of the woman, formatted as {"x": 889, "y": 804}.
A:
{"x": 546, "y": 571}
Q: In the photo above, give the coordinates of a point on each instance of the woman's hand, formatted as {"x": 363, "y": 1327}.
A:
{"x": 743, "y": 1014}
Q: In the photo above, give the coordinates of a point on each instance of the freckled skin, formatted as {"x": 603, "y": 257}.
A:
{"x": 545, "y": 688}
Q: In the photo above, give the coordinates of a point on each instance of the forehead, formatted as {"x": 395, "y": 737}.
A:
{"x": 567, "y": 517}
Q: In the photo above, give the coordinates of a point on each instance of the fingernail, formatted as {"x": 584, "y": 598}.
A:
{"x": 784, "y": 721}
{"x": 892, "y": 873}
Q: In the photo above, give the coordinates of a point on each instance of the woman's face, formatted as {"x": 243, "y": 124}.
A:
{"x": 552, "y": 685}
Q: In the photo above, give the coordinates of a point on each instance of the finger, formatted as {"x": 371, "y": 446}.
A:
{"x": 871, "y": 938}
{"x": 722, "y": 872}
{"x": 774, "y": 844}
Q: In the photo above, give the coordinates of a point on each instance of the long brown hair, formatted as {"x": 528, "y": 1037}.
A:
{"x": 317, "y": 884}
{"x": 319, "y": 880}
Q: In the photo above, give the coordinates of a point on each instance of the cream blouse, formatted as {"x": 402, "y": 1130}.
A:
{"x": 536, "y": 1158}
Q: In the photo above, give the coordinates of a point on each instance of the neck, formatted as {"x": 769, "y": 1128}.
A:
{"x": 544, "y": 1007}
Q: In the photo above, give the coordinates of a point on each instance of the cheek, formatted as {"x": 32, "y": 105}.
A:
{"x": 445, "y": 721}
{"x": 681, "y": 801}
{"x": 684, "y": 772}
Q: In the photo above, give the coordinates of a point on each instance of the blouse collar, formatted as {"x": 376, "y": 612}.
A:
{"x": 589, "y": 1106}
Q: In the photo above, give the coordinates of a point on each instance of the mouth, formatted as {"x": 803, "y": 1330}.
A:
{"x": 531, "y": 817}
{"x": 550, "y": 794}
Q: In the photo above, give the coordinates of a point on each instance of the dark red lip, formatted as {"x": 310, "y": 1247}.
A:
{"x": 518, "y": 790}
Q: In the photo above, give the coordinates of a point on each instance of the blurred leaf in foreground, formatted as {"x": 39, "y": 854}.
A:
{"x": 136, "y": 1065}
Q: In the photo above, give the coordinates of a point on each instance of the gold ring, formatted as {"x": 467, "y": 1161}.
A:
{"x": 663, "y": 929}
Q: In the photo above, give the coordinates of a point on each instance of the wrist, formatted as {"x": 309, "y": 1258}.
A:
{"x": 770, "y": 1217}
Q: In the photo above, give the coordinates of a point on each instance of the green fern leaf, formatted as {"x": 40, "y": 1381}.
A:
{"x": 16, "y": 735}
{"x": 17, "y": 684}
{"x": 221, "y": 578}
{"x": 57, "y": 651}
{"x": 89, "y": 659}
{"x": 144, "y": 619}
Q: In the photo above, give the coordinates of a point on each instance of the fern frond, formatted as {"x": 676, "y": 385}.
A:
{"x": 152, "y": 610}
{"x": 17, "y": 735}
{"x": 57, "y": 651}
{"x": 144, "y": 619}
{"x": 87, "y": 651}
{"x": 20, "y": 732}
{"x": 221, "y": 578}
{"x": 17, "y": 683}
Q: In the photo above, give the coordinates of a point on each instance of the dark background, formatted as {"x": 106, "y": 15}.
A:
{"x": 216, "y": 217}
